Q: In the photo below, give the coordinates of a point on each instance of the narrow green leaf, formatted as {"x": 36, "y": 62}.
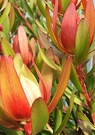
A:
{"x": 68, "y": 112}
{"x": 57, "y": 119}
{"x": 6, "y": 48}
{"x": 82, "y": 116}
{"x": 91, "y": 71}
{"x": 82, "y": 42}
{"x": 75, "y": 80}
{"x": 2, "y": 35}
{"x": 12, "y": 17}
{"x": 31, "y": 3}
{"x": 5, "y": 13}
{"x": 63, "y": 82}
{"x": 6, "y": 28}
{"x": 41, "y": 7}
{"x": 91, "y": 52}
{"x": 48, "y": 61}
{"x": 90, "y": 80}
{"x": 39, "y": 115}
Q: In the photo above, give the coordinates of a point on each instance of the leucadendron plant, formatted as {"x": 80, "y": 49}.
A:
{"x": 46, "y": 85}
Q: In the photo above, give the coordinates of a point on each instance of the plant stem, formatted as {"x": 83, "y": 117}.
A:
{"x": 81, "y": 76}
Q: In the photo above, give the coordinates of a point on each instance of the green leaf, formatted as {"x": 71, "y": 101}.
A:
{"x": 90, "y": 82}
{"x": 18, "y": 62}
{"x": 68, "y": 112}
{"x": 41, "y": 7}
{"x": 68, "y": 93}
{"x": 2, "y": 35}
{"x": 65, "y": 4}
{"x": 27, "y": 7}
{"x": 75, "y": 80}
{"x": 91, "y": 52}
{"x": 28, "y": 74}
{"x": 39, "y": 115}
{"x": 12, "y": 132}
{"x": 82, "y": 42}
{"x": 5, "y": 13}
{"x": 91, "y": 71}
{"x": 13, "y": 1}
{"x": 83, "y": 117}
{"x": 48, "y": 61}
{"x": 6, "y": 28}
{"x": 6, "y": 48}
{"x": 12, "y": 17}
{"x": 57, "y": 119}
{"x": 31, "y": 3}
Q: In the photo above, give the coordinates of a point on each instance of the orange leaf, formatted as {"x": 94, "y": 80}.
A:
{"x": 69, "y": 28}
{"x": 13, "y": 98}
{"x": 90, "y": 16}
{"x": 63, "y": 82}
{"x": 23, "y": 44}
{"x": 47, "y": 74}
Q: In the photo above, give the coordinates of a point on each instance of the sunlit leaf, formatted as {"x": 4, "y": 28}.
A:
{"x": 8, "y": 73}
{"x": 5, "y": 13}
{"x": 6, "y": 48}
{"x": 28, "y": 74}
{"x": 12, "y": 17}
{"x": 39, "y": 115}
{"x": 18, "y": 62}
{"x": 6, "y": 28}
{"x": 31, "y": 3}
